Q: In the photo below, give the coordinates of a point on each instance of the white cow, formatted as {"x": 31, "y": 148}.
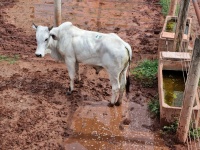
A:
{"x": 73, "y": 45}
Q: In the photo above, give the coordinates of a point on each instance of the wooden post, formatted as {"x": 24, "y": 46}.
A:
{"x": 57, "y": 12}
{"x": 172, "y": 8}
{"x": 196, "y": 8}
{"x": 180, "y": 27}
{"x": 189, "y": 94}
{"x": 99, "y": 16}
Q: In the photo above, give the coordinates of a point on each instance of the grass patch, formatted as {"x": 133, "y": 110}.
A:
{"x": 194, "y": 133}
{"x": 146, "y": 72}
{"x": 9, "y": 59}
{"x": 172, "y": 128}
{"x": 165, "y": 4}
{"x": 154, "y": 106}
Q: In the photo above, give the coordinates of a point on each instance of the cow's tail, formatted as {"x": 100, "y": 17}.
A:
{"x": 128, "y": 76}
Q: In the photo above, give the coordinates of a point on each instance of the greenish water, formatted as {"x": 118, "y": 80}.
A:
{"x": 173, "y": 86}
{"x": 171, "y": 26}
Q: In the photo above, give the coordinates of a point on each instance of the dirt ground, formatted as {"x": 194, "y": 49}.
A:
{"x": 36, "y": 113}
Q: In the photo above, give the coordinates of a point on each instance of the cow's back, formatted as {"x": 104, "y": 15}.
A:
{"x": 91, "y": 47}
{"x": 99, "y": 48}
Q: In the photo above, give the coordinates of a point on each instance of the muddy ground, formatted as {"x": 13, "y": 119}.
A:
{"x": 35, "y": 112}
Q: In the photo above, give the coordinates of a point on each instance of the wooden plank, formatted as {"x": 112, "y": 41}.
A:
{"x": 171, "y": 35}
{"x": 176, "y": 55}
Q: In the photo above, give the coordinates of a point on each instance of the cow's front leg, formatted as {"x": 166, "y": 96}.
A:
{"x": 71, "y": 66}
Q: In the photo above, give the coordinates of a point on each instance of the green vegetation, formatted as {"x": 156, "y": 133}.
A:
{"x": 166, "y": 5}
{"x": 171, "y": 26}
{"x": 146, "y": 72}
{"x": 154, "y": 106}
{"x": 11, "y": 60}
{"x": 171, "y": 128}
{"x": 193, "y": 133}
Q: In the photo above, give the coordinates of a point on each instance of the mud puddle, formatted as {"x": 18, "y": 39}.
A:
{"x": 96, "y": 126}
{"x": 38, "y": 114}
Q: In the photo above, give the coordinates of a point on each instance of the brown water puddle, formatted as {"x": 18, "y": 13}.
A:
{"x": 97, "y": 126}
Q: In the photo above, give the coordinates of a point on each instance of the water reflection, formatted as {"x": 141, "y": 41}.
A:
{"x": 97, "y": 127}
{"x": 173, "y": 86}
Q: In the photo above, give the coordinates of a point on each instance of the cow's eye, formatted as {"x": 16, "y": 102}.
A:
{"x": 46, "y": 39}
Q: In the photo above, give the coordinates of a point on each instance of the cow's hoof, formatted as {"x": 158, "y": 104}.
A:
{"x": 118, "y": 103}
{"x": 110, "y": 105}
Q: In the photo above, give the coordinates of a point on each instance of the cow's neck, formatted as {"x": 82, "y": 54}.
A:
{"x": 52, "y": 45}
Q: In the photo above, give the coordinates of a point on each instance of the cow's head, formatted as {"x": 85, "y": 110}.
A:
{"x": 42, "y": 38}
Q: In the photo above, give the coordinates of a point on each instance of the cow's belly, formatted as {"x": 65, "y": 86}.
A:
{"x": 90, "y": 60}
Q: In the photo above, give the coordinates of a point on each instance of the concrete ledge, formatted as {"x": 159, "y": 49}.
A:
{"x": 168, "y": 61}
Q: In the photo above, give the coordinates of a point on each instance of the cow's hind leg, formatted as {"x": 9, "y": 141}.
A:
{"x": 121, "y": 90}
{"x": 115, "y": 89}
{"x": 71, "y": 66}
{"x": 122, "y": 80}
{"x": 78, "y": 77}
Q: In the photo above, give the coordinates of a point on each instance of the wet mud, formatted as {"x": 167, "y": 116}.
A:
{"x": 36, "y": 113}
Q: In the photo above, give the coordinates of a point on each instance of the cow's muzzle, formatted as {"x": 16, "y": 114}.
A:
{"x": 38, "y": 55}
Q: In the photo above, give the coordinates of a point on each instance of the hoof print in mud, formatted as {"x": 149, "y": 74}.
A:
{"x": 110, "y": 105}
{"x": 126, "y": 121}
{"x": 118, "y": 104}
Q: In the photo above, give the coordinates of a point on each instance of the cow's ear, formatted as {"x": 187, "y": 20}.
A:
{"x": 50, "y": 28}
{"x": 54, "y": 33}
{"x": 34, "y": 26}
{"x": 54, "y": 36}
